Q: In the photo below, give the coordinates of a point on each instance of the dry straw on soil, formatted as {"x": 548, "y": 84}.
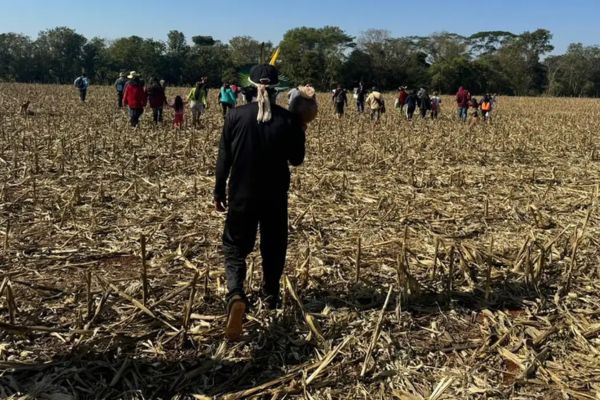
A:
{"x": 426, "y": 260}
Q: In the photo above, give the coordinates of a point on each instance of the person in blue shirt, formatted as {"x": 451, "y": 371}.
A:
{"x": 120, "y": 88}
{"x": 82, "y": 83}
{"x": 227, "y": 98}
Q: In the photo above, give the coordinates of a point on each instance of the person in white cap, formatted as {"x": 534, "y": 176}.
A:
{"x": 120, "y": 88}
{"x": 135, "y": 98}
{"x": 259, "y": 142}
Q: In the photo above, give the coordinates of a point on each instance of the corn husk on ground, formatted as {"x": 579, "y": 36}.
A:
{"x": 426, "y": 260}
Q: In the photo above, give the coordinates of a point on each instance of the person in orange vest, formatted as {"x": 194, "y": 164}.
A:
{"x": 486, "y": 108}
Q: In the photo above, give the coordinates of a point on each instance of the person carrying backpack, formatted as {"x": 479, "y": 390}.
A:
{"x": 198, "y": 101}
{"x": 82, "y": 83}
{"x": 227, "y": 98}
{"x": 340, "y": 100}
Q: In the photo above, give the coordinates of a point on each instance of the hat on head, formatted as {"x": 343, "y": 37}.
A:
{"x": 133, "y": 74}
{"x": 121, "y": 74}
{"x": 264, "y": 74}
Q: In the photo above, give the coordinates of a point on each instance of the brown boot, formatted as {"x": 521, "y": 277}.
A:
{"x": 236, "y": 308}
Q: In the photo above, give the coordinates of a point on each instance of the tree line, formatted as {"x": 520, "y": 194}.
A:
{"x": 493, "y": 61}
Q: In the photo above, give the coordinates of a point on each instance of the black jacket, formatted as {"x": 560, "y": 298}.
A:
{"x": 254, "y": 156}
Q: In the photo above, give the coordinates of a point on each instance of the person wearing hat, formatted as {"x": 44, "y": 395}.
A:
{"x": 135, "y": 98}
{"x": 376, "y": 104}
{"x": 258, "y": 143}
{"x": 120, "y": 88}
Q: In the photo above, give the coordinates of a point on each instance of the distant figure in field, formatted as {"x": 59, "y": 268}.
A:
{"x": 340, "y": 100}
{"x": 135, "y": 98}
{"x": 157, "y": 99}
{"x": 179, "y": 107}
{"x": 486, "y": 106}
{"x": 474, "y": 107}
{"x": 197, "y": 97}
{"x": 120, "y": 88}
{"x": 411, "y": 104}
{"x": 227, "y": 98}
{"x": 401, "y": 99}
{"x": 376, "y": 104}
{"x": 462, "y": 103}
{"x": 82, "y": 83}
{"x": 424, "y": 102}
{"x": 24, "y": 109}
{"x": 361, "y": 95}
{"x": 436, "y": 104}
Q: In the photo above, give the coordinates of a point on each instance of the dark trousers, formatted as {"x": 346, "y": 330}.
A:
{"x": 134, "y": 115}
{"x": 423, "y": 112}
{"x": 157, "y": 114}
{"x": 271, "y": 215}
{"x": 226, "y": 107}
{"x": 82, "y": 94}
{"x": 120, "y": 99}
{"x": 360, "y": 106}
{"x": 410, "y": 111}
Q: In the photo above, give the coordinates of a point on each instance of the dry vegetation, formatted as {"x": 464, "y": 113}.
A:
{"x": 426, "y": 261}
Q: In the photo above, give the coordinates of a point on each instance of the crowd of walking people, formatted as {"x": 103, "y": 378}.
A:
{"x": 135, "y": 94}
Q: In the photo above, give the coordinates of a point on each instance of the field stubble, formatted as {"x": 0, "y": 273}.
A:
{"x": 426, "y": 260}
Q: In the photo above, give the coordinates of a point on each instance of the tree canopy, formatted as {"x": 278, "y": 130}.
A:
{"x": 493, "y": 61}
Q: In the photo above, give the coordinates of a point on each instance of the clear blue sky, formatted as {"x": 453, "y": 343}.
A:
{"x": 569, "y": 21}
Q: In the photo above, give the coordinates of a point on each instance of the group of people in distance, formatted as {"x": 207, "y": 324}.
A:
{"x": 408, "y": 102}
{"x": 136, "y": 94}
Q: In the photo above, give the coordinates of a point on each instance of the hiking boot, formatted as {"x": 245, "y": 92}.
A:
{"x": 236, "y": 308}
{"x": 271, "y": 301}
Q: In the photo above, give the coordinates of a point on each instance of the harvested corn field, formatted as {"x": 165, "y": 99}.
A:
{"x": 427, "y": 260}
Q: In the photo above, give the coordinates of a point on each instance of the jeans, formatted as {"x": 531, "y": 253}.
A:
{"x": 120, "y": 99}
{"x": 360, "y": 106}
{"x": 462, "y": 114}
{"x": 82, "y": 94}
{"x": 157, "y": 114}
{"x": 226, "y": 107}
{"x": 134, "y": 115}
{"x": 270, "y": 213}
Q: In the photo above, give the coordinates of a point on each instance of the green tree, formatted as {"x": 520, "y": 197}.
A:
{"x": 16, "y": 55}
{"x": 246, "y": 50}
{"x": 59, "y": 54}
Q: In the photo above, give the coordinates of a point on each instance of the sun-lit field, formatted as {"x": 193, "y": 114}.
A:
{"x": 427, "y": 260}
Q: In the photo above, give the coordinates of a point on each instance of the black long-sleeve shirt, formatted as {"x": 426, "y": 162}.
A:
{"x": 255, "y": 156}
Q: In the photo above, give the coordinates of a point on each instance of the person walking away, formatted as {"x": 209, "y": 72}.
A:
{"x": 462, "y": 103}
{"x": 227, "y": 98}
{"x": 436, "y": 104}
{"x": 401, "y": 100}
{"x": 376, "y": 104}
{"x": 82, "y": 83}
{"x": 340, "y": 100}
{"x": 198, "y": 101}
{"x": 411, "y": 105}
{"x": 486, "y": 108}
{"x": 258, "y": 142}
{"x": 474, "y": 106}
{"x": 120, "y": 88}
{"x": 179, "y": 107}
{"x": 424, "y": 102}
{"x": 134, "y": 98}
{"x": 361, "y": 95}
{"x": 156, "y": 99}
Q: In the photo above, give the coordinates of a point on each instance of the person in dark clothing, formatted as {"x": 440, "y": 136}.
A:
{"x": 424, "y": 102}
{"x": 82, "y": 83}
{"x": 411, "y": 104}
{"x": 361, "y": 95}
{"x": 258, "y": 142}
{"x": 157, "y": 99}
{"x": 340, "y": 100}
{"x": 120, "y": 88}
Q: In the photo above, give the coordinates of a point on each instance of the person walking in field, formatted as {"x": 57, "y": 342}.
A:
{"x": 424, "y": 102}
{"x": 82, "y": 83}
{"x": 411, "y": 104}
{"x": 436, "y": 104}
{"x": 361, "y": 95}
{"x": 401, "y": 99}
{"x": 258, "y": 142}
{"x": 179, "y": 107}
{"x": 376, "y": 104}
{"x": 135, "y": 98}
{"x": 340, "y": 100}
{"x": 198, "y": 101}
{"x": 227, "y": 98}
{"x": 120, "y": 88}
{"x": 157, "y": 100}
{"x": 474, "y": 107}
{"x": 462, "y": 103}
{"x": 486, "y": 106}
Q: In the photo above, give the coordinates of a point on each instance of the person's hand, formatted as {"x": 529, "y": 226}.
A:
{"x": 220, "y": 205}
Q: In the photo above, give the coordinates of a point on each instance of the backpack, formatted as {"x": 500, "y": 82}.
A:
{"x": 339, "y": 96}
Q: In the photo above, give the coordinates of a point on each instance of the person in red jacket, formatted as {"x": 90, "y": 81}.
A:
{"x": 135, "y": 98}
{"x": 157, "y": 99}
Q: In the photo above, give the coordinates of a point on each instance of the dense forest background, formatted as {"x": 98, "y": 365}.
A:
{"x": 500, "y": 62}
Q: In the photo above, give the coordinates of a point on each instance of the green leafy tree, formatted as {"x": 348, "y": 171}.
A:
{"x": 59, "y": 54}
